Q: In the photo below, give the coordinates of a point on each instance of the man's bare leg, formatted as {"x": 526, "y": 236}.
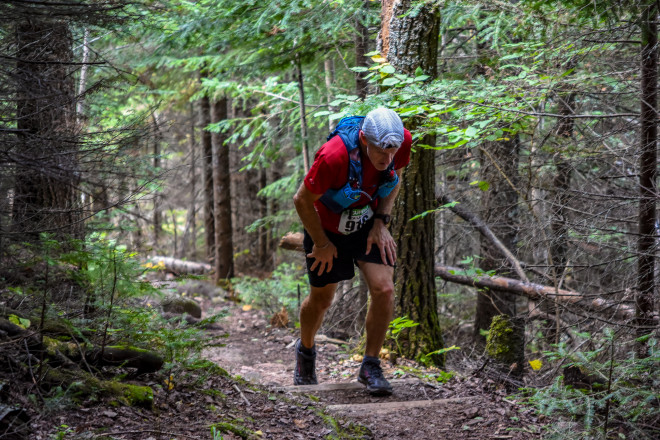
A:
{"x": 381, "y": 289}
{"x": 313, "y": 310}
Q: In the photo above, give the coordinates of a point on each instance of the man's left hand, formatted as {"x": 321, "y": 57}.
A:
{"x": 381, "y": 237}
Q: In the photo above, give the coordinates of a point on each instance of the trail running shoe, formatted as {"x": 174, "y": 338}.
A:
{"x": 305, "y": 372}
{"x": 372, "y": 376}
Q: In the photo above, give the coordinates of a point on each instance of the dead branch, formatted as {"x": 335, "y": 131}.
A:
{"x": 533, "y": 291}
{"x": 481, "y": 226}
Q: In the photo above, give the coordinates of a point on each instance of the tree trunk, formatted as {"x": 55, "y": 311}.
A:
{"x": 647, "y": 177}
{"x": 224, "y": 247}
{"x": 499, "y": 169}
{"x": 558, "y": 225}
{"x": 264, "y": 231}
{"x": 499, "y": 205}
{"x": 46, "y": 185}
{"x": 207, "y": 162}
{"x": 361, "y": 48}
{"x": 157, "y": 218}
{"x": 303, "y": 117}
{"x": 190, "y": 234}
{"x": 409, "y": 42}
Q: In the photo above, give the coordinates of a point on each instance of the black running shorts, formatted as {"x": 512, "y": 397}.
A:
{"x": 350, "y": 249}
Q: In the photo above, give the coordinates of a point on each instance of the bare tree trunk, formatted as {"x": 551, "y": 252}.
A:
{"x": 262, "y": 254}
{"x": 82, "y": 84}
{"x": 303, "y": 118}
{"x": 646, "y": 245}
{"x": 46, "y": 185}
{"x": 558, "y": 225}
{"x": 409, "y": 42}
{"x": 361, "y": 48}
{"x": 224, "y": 246}
{"x": 157, "y": 218}
{"x": 499, "y": 205}
{"x": 190, "y": 233}
{"x": 329, "y": 69}
{"x": 207, "y": 163}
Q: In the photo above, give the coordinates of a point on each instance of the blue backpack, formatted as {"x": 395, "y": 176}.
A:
{"x": 338, "y": 200}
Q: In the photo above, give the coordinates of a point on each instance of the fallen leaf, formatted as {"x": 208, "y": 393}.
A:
{"x": 280, "y": 319}
{"x": 300, "y": 423}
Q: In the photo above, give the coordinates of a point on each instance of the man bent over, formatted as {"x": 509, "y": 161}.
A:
{"x": 344, "y": 204}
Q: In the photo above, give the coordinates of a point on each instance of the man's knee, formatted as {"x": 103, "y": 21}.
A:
{"x": 321, "y": 298}
{"x": 383, "y": 293}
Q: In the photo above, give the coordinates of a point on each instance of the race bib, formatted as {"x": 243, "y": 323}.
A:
{"x": 353, "y": 219}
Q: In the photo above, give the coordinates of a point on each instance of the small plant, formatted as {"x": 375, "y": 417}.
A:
{"x": 62, "y": 432}
{"x": 396, "y": 326}
{"x": 215, "y": 434}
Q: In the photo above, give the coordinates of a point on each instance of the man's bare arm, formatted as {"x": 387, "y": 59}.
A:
{"x": 323, "y": 251}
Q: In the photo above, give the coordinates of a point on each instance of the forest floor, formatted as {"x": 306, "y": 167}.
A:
{"x": 256, "y": 400}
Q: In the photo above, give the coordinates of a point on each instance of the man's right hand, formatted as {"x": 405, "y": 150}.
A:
{"x": 323, "y": 257}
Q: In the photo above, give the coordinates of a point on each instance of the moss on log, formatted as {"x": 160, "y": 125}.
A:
{"x": 84, "y": 385}
{"x": 506, "y": 343}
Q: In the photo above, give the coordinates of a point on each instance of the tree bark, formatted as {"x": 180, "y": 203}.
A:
{"x": 46, "y": 185}
{"x": 190, "y": 234}
{"x": 157, "y": 218}
{"x": 646, "y": 245}
{"x": 499, "y": 168}
{"x": 361, "y": 48}
{"x": 409, "y": 42}
{"x": 303, "y": 117}
{"x": 207, "y": 162}
{"x": 224, "y": 246}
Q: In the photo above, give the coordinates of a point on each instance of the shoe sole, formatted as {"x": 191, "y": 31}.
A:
{"x": 375, "y": 391}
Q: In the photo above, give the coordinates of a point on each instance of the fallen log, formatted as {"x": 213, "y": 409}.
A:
{"x": 292, "y": 241}
{"x": 180, "y": 266}
{"x": 533, "y": 291}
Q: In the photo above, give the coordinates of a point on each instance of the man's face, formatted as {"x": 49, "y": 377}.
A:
{"x": 379, "y": 157}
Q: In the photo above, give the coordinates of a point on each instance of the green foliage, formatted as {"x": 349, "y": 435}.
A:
{"x": 623, "y": 390}
{"x": 280, "y": 290}
{"x": 397, "y": 326}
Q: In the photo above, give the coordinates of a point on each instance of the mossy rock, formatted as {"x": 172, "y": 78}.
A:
{"x": 179, "y": 305}
{"x": 506, "y": 342}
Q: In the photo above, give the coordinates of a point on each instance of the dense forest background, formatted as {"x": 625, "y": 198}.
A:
{"x": 136, "y": 136}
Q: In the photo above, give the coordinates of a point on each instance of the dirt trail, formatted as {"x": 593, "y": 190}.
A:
{"x": 462, "y": 408}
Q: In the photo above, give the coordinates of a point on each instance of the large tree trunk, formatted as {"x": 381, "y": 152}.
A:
{"x": 224, "y": 246}
{"x": 46, "y": 193}
{"x": 646, "y": 245}
{"x": 499, "y": 205}
{"x": 207, "y": 163}
{"x": 409, "y": 42}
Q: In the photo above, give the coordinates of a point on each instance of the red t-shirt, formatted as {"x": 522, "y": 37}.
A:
{"x": 330, "y": 171}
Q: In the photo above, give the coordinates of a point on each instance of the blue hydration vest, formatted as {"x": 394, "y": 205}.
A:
{"x": 338, "y": 200}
